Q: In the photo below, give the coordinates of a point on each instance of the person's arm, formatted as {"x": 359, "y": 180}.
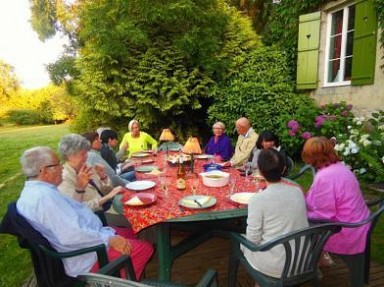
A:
{"x": 227, "y": 149}
{"x": 321, "y": 199}
{"x": 254, "y": 221}
{"x": 151, "y": 141}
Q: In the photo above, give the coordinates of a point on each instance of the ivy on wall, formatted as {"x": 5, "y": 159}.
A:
{"x": 380, "y": 17}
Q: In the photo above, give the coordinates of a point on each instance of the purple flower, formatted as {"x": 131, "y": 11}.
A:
{"x": 349, "y": 107}
{"x": 319, "y": 120}
{"x": 293, "y": 125}
{"x": 292, "y": 133}
{"x": 344, "y": 113}
{"x": 306, "y": 135}
{"x": 332, "y": 118}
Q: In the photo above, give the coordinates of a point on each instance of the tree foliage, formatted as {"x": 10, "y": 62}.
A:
{"x": 9, "y": 82}
{"x": 157, "y": 61}
{"x": 263, "y": 91}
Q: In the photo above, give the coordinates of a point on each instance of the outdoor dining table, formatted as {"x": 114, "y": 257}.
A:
{"x": 166, "y": 210}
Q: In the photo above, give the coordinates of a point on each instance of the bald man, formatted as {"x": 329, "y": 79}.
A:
{"x": 245, "y": 142}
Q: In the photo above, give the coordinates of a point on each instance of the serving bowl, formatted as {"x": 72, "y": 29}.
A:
{"x": 215, "y": 178}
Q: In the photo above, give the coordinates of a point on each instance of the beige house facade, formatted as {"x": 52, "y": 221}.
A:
{"x": 335, "y": 75}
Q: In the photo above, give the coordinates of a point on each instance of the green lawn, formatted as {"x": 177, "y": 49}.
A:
{"x": 15, "y": 265}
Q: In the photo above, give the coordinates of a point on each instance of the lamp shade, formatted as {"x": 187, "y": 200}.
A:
{"x": 166, "y": 135}
{"x": 192, "y": 146}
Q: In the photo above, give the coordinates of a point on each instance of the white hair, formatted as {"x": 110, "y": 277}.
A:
{"x": 219, "y": 125}
{"x": 73, "y": 143}
{"x": 34, "y": 159}
{"x": 131, "y": 124}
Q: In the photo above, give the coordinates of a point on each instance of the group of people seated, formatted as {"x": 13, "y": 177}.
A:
{"x": 59, "y": 199}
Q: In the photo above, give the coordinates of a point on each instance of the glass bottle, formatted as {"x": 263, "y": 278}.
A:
{"x": 180, "y": 183}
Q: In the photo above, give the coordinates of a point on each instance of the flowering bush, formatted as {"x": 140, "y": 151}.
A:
{"x": 359, "y": 140}
{"x": 363, "y": 150}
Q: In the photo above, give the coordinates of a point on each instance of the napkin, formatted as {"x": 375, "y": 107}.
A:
{"x": 242, "y": 198}
{"x": 155, "y": 171}
{"x": 134, "y": 201}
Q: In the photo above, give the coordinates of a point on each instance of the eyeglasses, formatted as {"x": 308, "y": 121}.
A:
{"x": 52, "y": 165}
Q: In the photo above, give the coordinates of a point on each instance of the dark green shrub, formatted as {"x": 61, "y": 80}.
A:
{"x": 262, "y": 90}
{"x": 24, "y": 117}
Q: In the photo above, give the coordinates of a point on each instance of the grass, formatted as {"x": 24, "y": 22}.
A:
{"x": 15, "y": 266}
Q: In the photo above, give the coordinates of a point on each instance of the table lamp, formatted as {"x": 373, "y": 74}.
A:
{"x": 192, "y": 146}
{"x": 166, "y": 136}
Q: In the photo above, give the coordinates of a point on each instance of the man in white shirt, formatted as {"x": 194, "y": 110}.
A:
{"x": 67, "y": 224}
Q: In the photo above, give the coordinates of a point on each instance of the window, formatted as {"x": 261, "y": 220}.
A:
{"x": 339, "y": 47}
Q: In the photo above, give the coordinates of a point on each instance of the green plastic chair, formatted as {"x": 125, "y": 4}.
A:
{"x": 359, "y": 264}
{"x": 302, "y": 251}
{"x": 303, "y": 170}
{"x": 104, "y": 278}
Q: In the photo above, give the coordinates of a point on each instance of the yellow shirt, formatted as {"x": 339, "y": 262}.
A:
{"x": 138, "y": 144}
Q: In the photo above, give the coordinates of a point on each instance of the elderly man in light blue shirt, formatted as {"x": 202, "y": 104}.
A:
{"x": 67, "y": 224}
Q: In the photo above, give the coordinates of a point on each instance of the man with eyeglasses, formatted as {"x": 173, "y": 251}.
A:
{"x": 245, "y": 143}
{"x": 68, "y": 224}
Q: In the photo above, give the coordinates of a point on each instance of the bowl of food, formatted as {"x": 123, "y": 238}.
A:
{"x": 215, "y": 178}
{"x": 173, "y": 160}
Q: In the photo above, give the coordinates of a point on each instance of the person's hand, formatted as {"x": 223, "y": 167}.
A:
{"x": 100, "y": 170}
{"x": 226, "y": 164}
{"x": 120, "y": 244}
{"x": 83, "y": 177}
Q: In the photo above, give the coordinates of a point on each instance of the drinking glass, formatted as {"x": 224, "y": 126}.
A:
{"x": 232, "y": 185}
{"x": 247, "y": 168}
{"x": 195, "y": 185}
{"x": 164, "y": 183}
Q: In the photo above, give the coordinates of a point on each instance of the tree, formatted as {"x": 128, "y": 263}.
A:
{"x": 9, "y": 83}
{"x": 157, "y": 61}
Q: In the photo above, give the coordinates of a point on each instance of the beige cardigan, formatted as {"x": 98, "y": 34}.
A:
{"x": 244, "y": 147}
{"x": 91, "y": 196}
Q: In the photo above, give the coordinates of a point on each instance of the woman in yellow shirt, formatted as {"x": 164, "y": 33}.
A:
{"x": 136, "y": 140}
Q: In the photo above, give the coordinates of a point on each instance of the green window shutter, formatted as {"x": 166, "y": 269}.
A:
{"x": 364, "y": 43}
{"x": 308, "y": 50}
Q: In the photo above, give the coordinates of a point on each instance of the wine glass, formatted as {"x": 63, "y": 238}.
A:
{"x": 231, "y": 184}
{"x": 247, "y": 168}
{"x": 195, "y": 185}
{"x": 164, "y": 185}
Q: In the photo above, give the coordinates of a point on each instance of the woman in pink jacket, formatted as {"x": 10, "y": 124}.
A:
{"x": 335, "y": 195}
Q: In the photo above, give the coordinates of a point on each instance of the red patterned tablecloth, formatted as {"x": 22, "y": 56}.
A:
{"x": 167, "y": 207}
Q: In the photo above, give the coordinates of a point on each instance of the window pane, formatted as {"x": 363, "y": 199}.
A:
{"x": 335, "y": 47}
{"x": 351, "y": 18}
{"x": 348, "y": 68}
{"x": 349, "y": 44}
{"x": 337, "y": 22}
{"x": 333, "y": 71}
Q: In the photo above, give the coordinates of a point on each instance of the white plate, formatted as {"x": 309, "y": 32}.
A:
{"x": 146, "y": 168}
{"x": 140, "y": 154}
{"x": 140, "y": 185}
{"x": 242, "y": 197}
{"x": 193, "y": 201}
{"x": 204, "y": 156}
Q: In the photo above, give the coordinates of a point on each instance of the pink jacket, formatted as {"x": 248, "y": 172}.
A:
{"x": 335, "y": 195}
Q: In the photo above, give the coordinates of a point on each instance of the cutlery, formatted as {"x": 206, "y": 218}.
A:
{"x": 198, "y": 203}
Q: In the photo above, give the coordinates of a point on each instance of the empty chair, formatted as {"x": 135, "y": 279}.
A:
{"x": 302, "y": 252}
{"x": 103, "y": 277}
{"x": 302, "y": 171}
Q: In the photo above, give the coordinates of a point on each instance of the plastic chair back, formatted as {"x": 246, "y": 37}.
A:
{"x": 302, "y": 252}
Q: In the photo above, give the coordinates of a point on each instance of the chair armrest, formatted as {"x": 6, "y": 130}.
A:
{"x": 304, "y": 169}
{"x": 235, "y": 237}
{"x": 99, "y": 249}
{"x": 209, "y": 279}
{"x": 123, "y": 262}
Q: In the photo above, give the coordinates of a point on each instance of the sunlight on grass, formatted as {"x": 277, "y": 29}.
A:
{"x": 15, "y": 266}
